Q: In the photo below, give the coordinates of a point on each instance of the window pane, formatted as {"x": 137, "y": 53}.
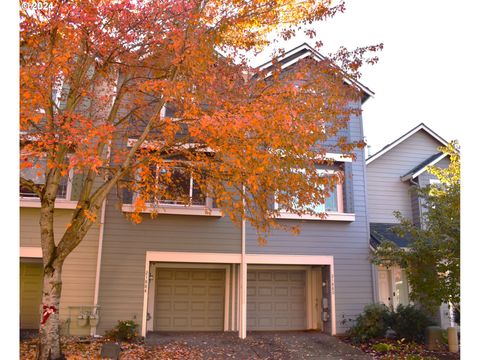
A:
{"x": 198, "y": 198}
{"x": 178, "y": 188}
{"x": 37, "y": 176}
{"x": 401, "y": 287}
{"x": 331, "y": 203}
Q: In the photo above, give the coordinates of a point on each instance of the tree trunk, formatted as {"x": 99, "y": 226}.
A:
{"x": 49, "y": 333}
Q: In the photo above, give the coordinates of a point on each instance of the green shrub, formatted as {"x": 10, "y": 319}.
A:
{"x": 124, "y": 331}
{"x": 410, "y": 323}
{"x": 382, "y": 347}
{"x": 371, "y": 324}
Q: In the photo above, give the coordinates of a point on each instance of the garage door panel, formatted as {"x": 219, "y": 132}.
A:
{"x": 218, "y": 290}
{"x": 276, "y": 300}
{"x": 182, "y": 290}
{"x": 297, "y": 291}
{"x": 182, "y": 275}
{"x": 281, "y": 276}
{"x": 264, "y": 276}
{"x": 197, "y": 297}
{"x": 199, "y": 290}
{"x": 216, "y": 275}
{"x": 264, "y": 291}
{"x": 215, "y": 306}
{"x": 281, "y": 291}
{"x": 180, "y": 322}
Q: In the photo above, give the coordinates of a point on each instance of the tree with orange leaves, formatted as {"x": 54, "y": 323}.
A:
{"x": 96, "y": 78}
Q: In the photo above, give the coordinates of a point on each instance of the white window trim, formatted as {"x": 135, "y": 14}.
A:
{"x": 198, "y": 210}
{"x": 330, "y": 215}
{"x": 60, "y": 203}
{"x": 177, "y": 209}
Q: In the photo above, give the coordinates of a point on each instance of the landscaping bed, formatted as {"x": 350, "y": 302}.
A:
{"x": 389, "y": 349}
{"x": 288, "y": 345}
{"x": 89, "y": 348}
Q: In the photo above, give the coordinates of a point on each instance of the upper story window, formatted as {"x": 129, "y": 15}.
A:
{"x": 175, "y": 186}
{"x": 175, "y": 191}
{"x": 36, "y": 174}
{"x": 333, "y": 203}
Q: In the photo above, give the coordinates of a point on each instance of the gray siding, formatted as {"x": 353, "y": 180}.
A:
{"x": 386, "y": 192}
{"x": 346, "y": 241}
{"x": 125, "y": 245}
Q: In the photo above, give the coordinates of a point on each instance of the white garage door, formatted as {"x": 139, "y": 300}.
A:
{"x": 189, "y": 299}
{"x": 276, "y": 300}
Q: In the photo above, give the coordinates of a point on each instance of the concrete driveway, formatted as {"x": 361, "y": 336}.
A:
{"x": 260, "y": 345}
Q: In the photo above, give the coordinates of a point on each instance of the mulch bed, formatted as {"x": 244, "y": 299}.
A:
{"x": 401, "y": 350}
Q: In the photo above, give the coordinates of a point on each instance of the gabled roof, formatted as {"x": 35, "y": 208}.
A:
{"x": 303, "y": 51}
{"x": 404, "y": 137}
{"x": 420, "y": 168}
{"x": 380, "y": 232}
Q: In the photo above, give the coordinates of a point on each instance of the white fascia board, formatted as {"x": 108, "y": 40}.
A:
{"x": 287, "y": 54}
{"x": 422, "y": 170}
{"x": 403, "y": 138}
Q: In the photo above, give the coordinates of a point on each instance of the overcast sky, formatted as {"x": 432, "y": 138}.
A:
{"x": 423, "y": 68}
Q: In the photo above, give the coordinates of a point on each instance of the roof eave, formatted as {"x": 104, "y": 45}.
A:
{"x": 405, "y": 136}
{"x": 423, "y": 169}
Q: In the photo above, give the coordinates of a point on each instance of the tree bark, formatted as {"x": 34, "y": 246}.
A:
{"x": 49, "y": 347}
{"x": 49, "y": 330}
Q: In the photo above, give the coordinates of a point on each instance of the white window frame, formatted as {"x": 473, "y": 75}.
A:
{"x": 206, "y": 209}
{"x": 339, "y": 190}
{"x": 60, "y": 202}
{"x": 190, "y": 194}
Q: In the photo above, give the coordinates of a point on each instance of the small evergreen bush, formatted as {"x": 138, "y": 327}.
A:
{"x": 371, "y": 324}
{"x": 124, "y": 331}
{"x": 410, "y": 323}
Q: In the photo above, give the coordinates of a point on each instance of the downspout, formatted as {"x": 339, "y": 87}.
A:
{"x": 367, "y": 215}
{"x": 242, "y": 333}
{"x": 93, "y": 330}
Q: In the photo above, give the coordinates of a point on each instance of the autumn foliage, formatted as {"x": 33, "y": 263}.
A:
{"x": 128, "y": 92}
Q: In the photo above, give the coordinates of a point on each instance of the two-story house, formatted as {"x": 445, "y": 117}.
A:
{"x": 391, "y": 174}
{"x": 191, "y": 269}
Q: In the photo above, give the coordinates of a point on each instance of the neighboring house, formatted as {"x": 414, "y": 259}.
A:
{"x": 391, "y": 174}
{"x": 191, "y": 268}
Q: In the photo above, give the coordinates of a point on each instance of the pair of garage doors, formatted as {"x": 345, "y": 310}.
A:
{"x": 194, "y": 299}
